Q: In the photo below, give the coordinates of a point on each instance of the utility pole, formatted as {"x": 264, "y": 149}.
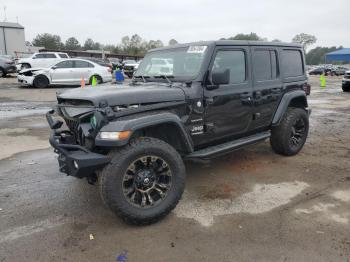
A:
{"x": 5, "y": 18}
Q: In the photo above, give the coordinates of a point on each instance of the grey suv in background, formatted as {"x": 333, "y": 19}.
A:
{"x": 7, "y": 66}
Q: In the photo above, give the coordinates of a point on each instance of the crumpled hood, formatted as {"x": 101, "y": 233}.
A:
{"x": 35, "y": 69}
{"x": 125, "y": 94}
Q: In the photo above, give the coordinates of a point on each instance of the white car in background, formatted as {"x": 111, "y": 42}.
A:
{"x": 67, "y": 72}
{"x": 42, "y": 60}
{"x": 129, "y": 67}
{"x": 161, "y": 65}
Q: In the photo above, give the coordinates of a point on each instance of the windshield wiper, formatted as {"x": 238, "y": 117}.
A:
{"x": 140, "y": 76}
{"x": 166, "y": 77}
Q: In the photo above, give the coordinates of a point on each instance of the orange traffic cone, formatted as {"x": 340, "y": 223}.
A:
{"x": 82, "y": 83}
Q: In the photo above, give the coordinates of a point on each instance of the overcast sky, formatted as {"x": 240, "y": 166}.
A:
{"x": 185, "y": 20}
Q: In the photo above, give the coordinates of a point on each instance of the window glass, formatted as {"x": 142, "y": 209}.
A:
{"x": 82, "y": 64}
{"x": 262, "y": 65}
{"x": 65, "y": 64}
{"x": 274, "y": 65}
{"x": 50, "y": 56}
{"x": 181, "y": 63}
{"x": 63, "y": 55}
{"x": 265, "y": 65}
{"x": 40, "y": 56}
{"x": 292, "y": 63}
{"x": 234, "y": 61}
{"x": 158, "y": 62}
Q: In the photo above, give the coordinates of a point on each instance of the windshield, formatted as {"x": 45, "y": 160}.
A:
{"x": 179, "y": 63}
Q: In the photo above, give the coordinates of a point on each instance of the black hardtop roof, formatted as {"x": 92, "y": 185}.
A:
{"x": 231, "y": 43}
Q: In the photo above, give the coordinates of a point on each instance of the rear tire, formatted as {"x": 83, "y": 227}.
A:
{"x": 98, "y": 80}
{"x": 289, "y": 137}
{"x": 144, "y": 181}
{"x": 41, "y": 81}
{"x": 2, "y": 72}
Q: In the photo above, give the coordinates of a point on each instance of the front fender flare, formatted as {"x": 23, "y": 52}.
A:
{"x": 138, "y": 122}
{"x": 285, "y": 102}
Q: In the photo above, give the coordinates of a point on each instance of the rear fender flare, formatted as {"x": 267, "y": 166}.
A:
{"x": 288, "y": 99}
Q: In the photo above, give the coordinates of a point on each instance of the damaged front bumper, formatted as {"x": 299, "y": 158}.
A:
{"x": 25, "y": 80}
{"x": 73, "y": 159}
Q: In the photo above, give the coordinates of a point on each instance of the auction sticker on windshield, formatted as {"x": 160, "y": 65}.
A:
{"x": 196, "y": 49}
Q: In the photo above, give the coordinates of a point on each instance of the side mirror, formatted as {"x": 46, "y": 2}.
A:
{"x": 34, "y": 57}
{"x": 221, "y": 77}
{"x": 54, "y": 67}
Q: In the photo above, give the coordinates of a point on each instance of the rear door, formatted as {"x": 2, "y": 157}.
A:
{"x": 39, "y": 60}
{"x": 267, "y": 85}
{"x": 228, "y": 110}
{"x": 50, "y": 59}
{"x": 63, "y": 73}
{"x": 82, "y": 70}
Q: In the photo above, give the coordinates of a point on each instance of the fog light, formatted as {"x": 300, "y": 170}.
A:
{"x": 114, "y": 135}
{"x": 75, "y": 164}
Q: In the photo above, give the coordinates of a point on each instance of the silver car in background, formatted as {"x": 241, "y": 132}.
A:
{"x": 67, "y": 72}
{"x": 7, "y": 66}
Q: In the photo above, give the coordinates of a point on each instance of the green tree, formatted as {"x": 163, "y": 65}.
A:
{"x": 48, "y": 41}
{"x": 114, "y": 49}
{"x": 154, "y": 44}
{"x": 305, "y": 39}
{"x": 172, "y": 42}
{"x": 89, "y": 44}
{"x": 252, "y": 37}
{"x": 125, "y": 43}
{"x": 317, "y": 55}
{"x": 72, "y": 44}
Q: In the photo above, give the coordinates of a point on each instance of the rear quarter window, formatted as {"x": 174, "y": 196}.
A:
{"x": 50, "y": 56}
{"x": 292, "y": 63}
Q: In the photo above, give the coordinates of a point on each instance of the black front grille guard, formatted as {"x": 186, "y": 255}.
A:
{"x": 74, "y": 160}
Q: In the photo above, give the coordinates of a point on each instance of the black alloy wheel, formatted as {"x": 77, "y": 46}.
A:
{"x": 298, "y": 132}
{"x": 147, "y": 181}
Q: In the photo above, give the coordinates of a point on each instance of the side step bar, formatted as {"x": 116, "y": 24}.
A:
{"x": 217, "y": 150}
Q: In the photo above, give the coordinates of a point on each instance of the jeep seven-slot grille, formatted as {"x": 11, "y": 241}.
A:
{"x": 73, "y": 126}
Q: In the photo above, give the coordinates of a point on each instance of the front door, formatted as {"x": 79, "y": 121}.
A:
{"x": 63, "y": 73}
{"x": 228, "y": 110}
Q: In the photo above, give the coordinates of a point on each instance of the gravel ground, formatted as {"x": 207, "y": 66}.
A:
{"x": 251, "y": 205}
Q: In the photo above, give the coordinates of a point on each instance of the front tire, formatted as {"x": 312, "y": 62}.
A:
{"x": 41, "y": 81}
{"x": 346, "y": 88}
{"x": 289, "y": 137}
{"x": 144, "y": 181}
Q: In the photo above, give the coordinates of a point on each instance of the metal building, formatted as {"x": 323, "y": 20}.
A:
{"x": 11, "y": 38}
{"x": 342, "y": 55}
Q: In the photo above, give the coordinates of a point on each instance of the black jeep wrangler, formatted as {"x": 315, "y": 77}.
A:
{"x": 215, "y": 97}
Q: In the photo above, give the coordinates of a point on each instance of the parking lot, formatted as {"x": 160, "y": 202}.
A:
{"x": 249, "y": 205}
